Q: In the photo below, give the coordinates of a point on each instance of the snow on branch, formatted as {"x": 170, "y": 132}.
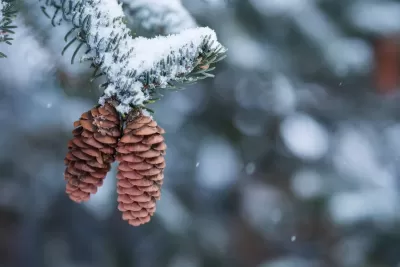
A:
{"x": 158, "y": 16}
{"x": 7, "y": 14}
{"x": 135, "y": 69}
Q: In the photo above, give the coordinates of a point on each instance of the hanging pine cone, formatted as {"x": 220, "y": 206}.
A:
{"x": 140, "y": 175}
{"x": 91, "y": 151}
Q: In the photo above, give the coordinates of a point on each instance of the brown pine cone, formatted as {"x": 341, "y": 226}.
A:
{"x": 91, "y": 151}
{"x": 140, "y": 175}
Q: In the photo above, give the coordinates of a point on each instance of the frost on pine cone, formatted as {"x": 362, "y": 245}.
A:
{"x": 91, "y": 151}
{"x": 140, "y": 175}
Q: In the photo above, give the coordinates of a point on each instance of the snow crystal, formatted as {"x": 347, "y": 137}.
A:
{"x": 159, "y": 15}
{"x": 304, "y": 137}
{"x": 293, "y": 238}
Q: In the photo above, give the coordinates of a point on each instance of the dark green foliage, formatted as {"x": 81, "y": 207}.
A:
{"x": 8, "y": 13}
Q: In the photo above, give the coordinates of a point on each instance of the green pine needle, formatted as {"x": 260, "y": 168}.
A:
{"x": 8, "y": 13}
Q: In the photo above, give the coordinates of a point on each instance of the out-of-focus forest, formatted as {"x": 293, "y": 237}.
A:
{"x": 289, "y": 157}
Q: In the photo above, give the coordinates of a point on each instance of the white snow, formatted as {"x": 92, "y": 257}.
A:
{"x": 146, "y": 113}
{"x": 304, "y": 137}
{"x": 124, "y": 62}
{"x": 148, "y": 52}
{"x": 159, "y": 15}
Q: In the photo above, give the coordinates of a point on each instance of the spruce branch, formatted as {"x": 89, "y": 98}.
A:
{"x": 7, "y": 14}
{"x": 153, "y": 17}
{"x": 135, "y": 69}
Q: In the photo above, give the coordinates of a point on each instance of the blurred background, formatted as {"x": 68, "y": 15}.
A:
{"x": 289, "y": 157}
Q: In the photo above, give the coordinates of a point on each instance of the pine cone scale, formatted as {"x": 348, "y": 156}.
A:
{"x": 129, "y": 158}
{"x": 105, "y": 139}
{"x": 92, "y": 142}
{"x": 155, "y": 160}
{"x": 149, "y": 154}
{"x": 154, "y": 139}
{"x": 140, "y": 166}
{"x": 133, "y": 175}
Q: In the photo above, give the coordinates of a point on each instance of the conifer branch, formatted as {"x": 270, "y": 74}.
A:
{"x": 7, "y": 14}
{"x": 154, "y": 17}
{"x": 135, "y": 69}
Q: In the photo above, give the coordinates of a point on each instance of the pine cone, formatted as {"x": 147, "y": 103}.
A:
{"x": 91, "y": 151}
{"x": 140, "y": 175}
